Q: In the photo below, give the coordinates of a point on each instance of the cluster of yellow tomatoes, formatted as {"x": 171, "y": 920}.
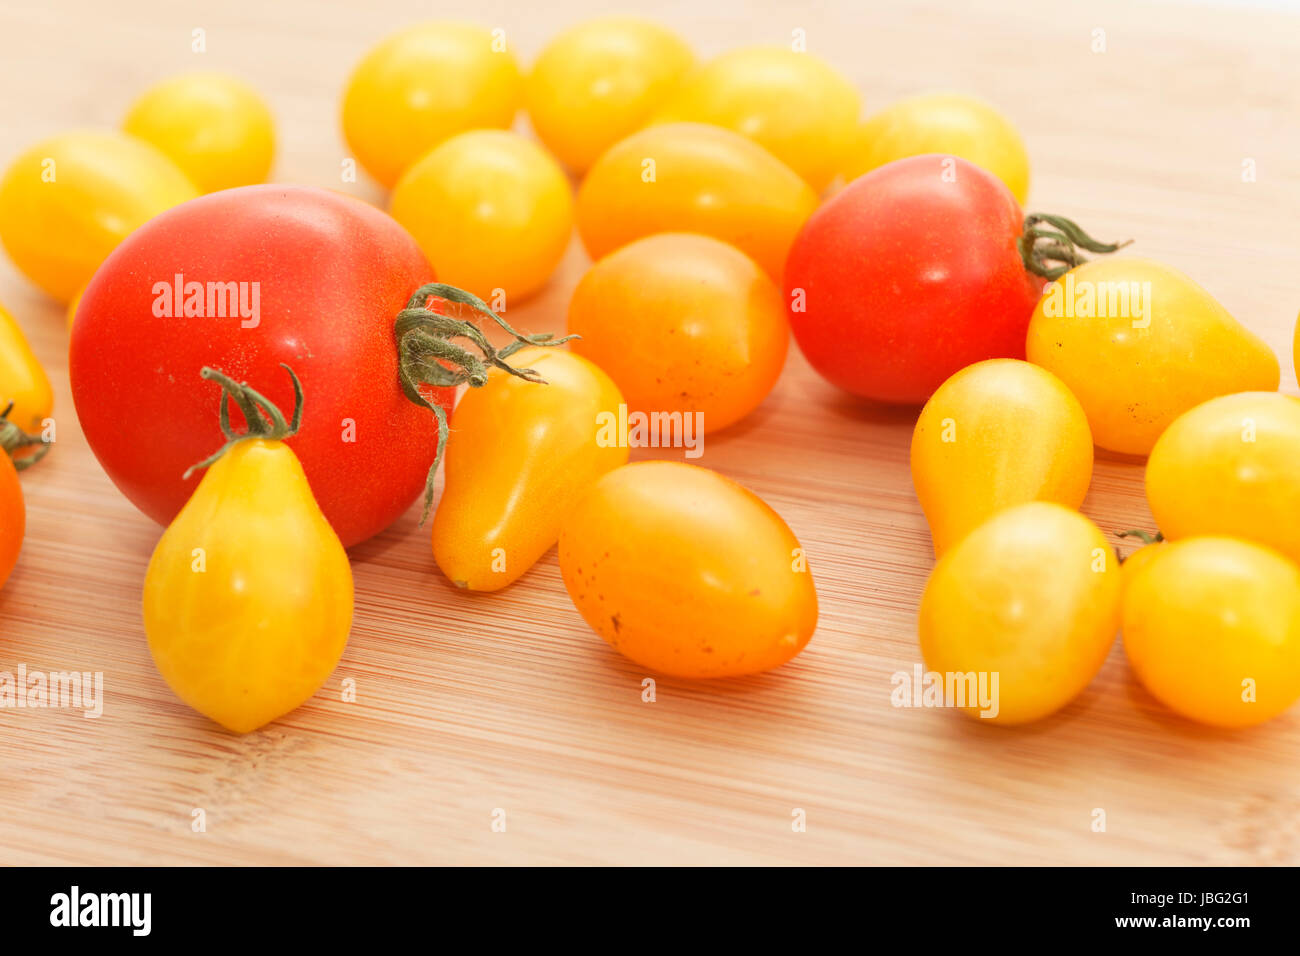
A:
{"x": 695, "y": 181}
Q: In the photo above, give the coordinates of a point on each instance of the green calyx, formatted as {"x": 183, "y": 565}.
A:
{"x": 264, "y": 419}
{"x": 427, "y": 354}
{"x": 13, "y": 438}
{"x": 1052, "y": 250}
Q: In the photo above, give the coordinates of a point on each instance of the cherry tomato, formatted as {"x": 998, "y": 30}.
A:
{"x": 22, "y": 380}
{"x": 1212, "y": 629}
{"x": 688, "y": 177}
{"x": 687, "y": 573}
{"x": 69, "y": 200}
{"x": 683, "y": 323}
{"x": 996, "y": 434}
{"x": 268, "y": 274}
{"x": 1032, "y": 597}
{"x": 248, "y": 595}
{"x": 216, "y": 128}
{"x": 1231, "y": 466}
{"x": 793, "y": 104}
{"x": 952, "y": 124}
{"x": 1140, "y": 343}
{"x": 505, "y": 498}
{"x": 423, "y": 85}
{"x": 13, "y": 516}
{"x": 600, "y": 81}
{"x": 909, "y": 274}
{"x": 491, "y": 211}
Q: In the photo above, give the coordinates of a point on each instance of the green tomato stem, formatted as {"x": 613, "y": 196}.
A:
{"x": 12, "y": 438}
{"x": 264, "y": 418}
{"x": 1040, "y": 247}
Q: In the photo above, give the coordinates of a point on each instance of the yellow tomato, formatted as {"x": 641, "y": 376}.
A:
{"x": 1231, "y": 466}
{"x": 683, "y": 324}
{"x": 22, "y": 380}
{"x": 599, "y": 81}
{"x": 1137, "y": 559}
{"x": 519, "y": 456}
{"x": 793, "y": 104}
{"x": 68, "y": 201}
{"x": 1139, "y": 344}
{"x": 216, "y": 128}
{"x": 688, "y": 177}
{"x": 1212, "y": 629}
{"x": 248, "y": 595}
{"x": 949, "y": 123}
{"x": 423, "y": 85}
{"x": 491, "y": 211}
{"x": 687, "y": 573}
{"x": 1029, "y": 598}
{"x": 996, "y": 434}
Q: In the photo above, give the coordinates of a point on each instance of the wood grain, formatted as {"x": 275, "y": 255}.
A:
{"x": 518, "y": 705}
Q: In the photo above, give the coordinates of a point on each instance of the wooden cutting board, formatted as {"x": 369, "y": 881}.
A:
{"x": 467, "y": 706}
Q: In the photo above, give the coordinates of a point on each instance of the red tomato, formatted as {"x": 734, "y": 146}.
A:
{"x": 908, "y": 275}
{"x": 319, "y": 278}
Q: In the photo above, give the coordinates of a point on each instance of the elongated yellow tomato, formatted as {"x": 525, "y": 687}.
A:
{"x": 423, "y": 85}
{"x": 1028, "y": 603}
{"x": 687, "y": 573}
{"x": 22, "y": 380}
{"x": 951, "y": 123}
{"x": 683, "y": 324}
{"x": 1140, "y": 343}
{"x": 793, "y": 104}
{"x": 1231, "y": 466}
{"x": 688, "y": 177}
{"x": 600, "y": 81}
{"x": 248, "y": 596}
{"x": 519, "y": 456}
{"x": 996, "y": 434}
{"x": 492, "y": 212}
{"x": 215, "y": 127}
{"x": 68, "y": 201}
{"x": 1212, "y": 629}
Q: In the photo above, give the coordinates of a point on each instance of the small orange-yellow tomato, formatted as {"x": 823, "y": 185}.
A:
{"x": 422, "y": 85}
{"x": 599, "y": 81}
{"x": 683, "y": 323}
{"x": 22, "y": 379}
{"x": 492, "y": 212}
{"x": 997, "y": 433}
{"x": 1212, "y": 629}
{"x": 689, "y": 177}
{"x": 519, "y": 456}
{"x": 794, "y": 104}
{"x": 1137, "y": 559}
{"x": 949, "y": 123}
{"x": 687, "y": 573}
{"x": 215, "y": 127}
{"x": 1028, "y": 603}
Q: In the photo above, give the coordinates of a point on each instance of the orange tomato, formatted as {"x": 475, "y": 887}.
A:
{"x": 687, "y": 573}
{"x": 683, "y": 323}
{"x": 13, "y": 517}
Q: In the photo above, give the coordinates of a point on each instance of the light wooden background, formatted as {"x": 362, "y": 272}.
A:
{"x": 521, "y": 707}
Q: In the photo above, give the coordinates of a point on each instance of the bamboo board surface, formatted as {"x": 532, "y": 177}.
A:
{"x": 466, "y": 705}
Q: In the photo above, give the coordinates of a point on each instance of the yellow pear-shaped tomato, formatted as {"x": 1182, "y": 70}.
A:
{"x": 1028, "y": 603}
{"x": 996, "y": 434}
{"x": 215, "y": 127}
{"x": 793, "y": 104}
{"x": 519, "y": 456}
{"x": 423, "y": 85}
{"x": 1212, "y": 629}
{"x": 491, "y": 210}
{"x": 689, "y": 177}
{"x": 687, "y": 573}
{"x": 683, "y": 324}
{"x": 600, "y": 81}
{"x": 68, "y": 201}
{"x": 1231, "y": 466}
{"x": 950, "y": 123}
{"x": 1139, "y": 344}
{"x": 22, "y": 380}
{"x": 248, "y": 596}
